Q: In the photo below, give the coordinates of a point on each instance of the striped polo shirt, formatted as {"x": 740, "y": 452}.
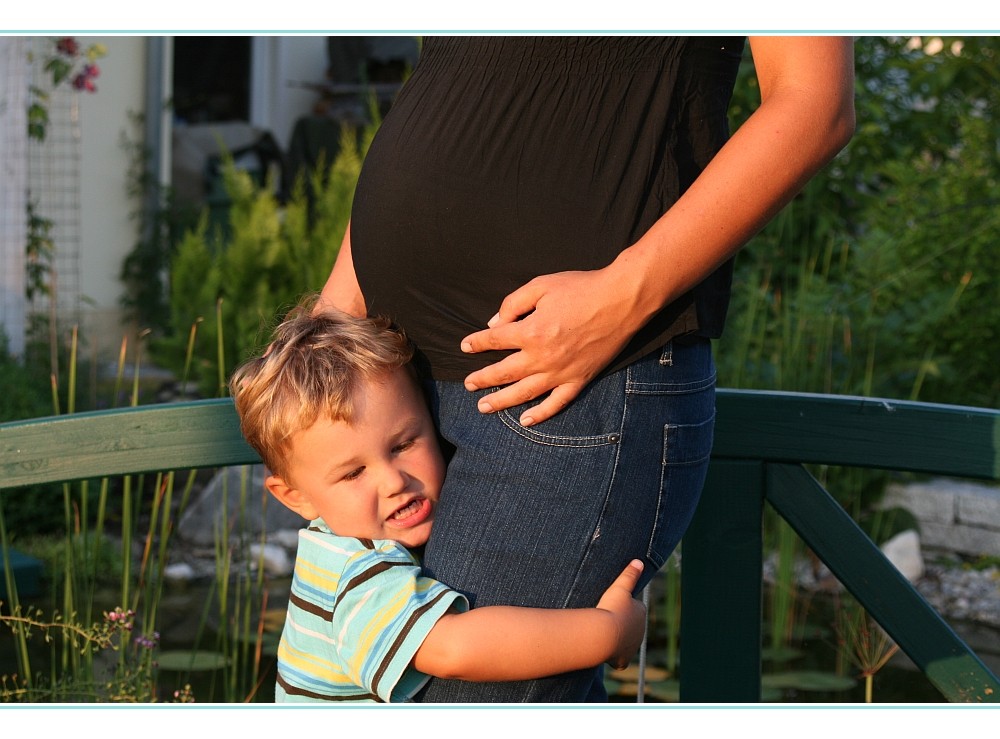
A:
{"x": 358, "y": 611}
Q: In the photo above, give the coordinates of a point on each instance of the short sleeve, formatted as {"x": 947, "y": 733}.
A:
{"x": 384, "y": 610}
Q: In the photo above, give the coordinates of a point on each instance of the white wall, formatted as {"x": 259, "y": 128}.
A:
{"x": 280, "y": 65}
{"x": 14, "y": 80}
{"x": 107, "y": 233}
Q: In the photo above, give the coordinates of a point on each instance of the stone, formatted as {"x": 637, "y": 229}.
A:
{"x": 903, "y": 550}
{"x": 979, "y": 505}
{"x": 273, "y": 558}
{"x": 926, "y": 501}
{"x": 239, "y": 493}
{"x": 957, "y": 516}
{"x": 968, "y": 540}
{"x": 179, "y": 572}
{"x": 287, "y": 538}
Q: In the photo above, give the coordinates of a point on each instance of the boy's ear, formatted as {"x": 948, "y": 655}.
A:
{"x": 290, "y": 497}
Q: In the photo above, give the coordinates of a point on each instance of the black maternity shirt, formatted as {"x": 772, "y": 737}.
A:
{"x": 504, "y": 158}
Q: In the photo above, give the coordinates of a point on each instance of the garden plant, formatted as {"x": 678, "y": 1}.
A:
{"x": 878, "y": 280}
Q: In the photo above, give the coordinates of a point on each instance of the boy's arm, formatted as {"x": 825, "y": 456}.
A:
{"x": 497, "y": 643}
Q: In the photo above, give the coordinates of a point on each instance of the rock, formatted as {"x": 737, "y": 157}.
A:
{"x": 274, "y": 559}
{"x": 179, "y": 572}
{"x": 964, "y": 594}
{"x": 239, "y": 492}
{"x": 903, "y": 550}
{"x": 287, "y": 538}
{"x": 953, "y": 515}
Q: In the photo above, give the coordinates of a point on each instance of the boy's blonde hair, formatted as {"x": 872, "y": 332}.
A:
{"x": 314, "y": 366}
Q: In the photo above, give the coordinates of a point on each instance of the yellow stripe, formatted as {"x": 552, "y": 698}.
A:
{"x": 388, "y": 613}
{"x": 317, "y": 577}
{"x": 312, "y": 664}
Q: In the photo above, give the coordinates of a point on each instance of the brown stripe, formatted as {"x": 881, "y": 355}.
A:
{"x": 310, "y": 607}
{"x": 294, "y": 690}
{"x": 398, "y": 642}
{"x": 366, "y": 576}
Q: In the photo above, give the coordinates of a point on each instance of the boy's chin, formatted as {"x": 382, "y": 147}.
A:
{"x": 414, "y": 541}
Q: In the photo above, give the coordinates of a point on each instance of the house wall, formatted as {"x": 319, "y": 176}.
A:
{"x": 282, "y": 65}
{"x": 107, "y": 234}
{"x": 14, "y": 80}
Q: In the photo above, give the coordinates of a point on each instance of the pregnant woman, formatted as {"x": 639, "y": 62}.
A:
{"x": 553, "y": 222}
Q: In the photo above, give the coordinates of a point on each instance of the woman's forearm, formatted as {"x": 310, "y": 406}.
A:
{"x": 805, "y": 117}
{"x": 566, "y": 327}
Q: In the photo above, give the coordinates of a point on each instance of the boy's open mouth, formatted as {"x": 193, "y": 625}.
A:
{"x": 413, "y": 513}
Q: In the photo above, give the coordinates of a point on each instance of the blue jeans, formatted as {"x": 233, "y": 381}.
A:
{"x": 548, "y": 516}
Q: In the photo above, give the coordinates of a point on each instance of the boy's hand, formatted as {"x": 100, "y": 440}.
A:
{"x": 629, "y": 614}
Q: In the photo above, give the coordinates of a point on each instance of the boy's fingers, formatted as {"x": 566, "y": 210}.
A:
{"x": 630, "y": 575}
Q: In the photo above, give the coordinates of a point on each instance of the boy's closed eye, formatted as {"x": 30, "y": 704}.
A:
{"x": 353, "y": 474}
{"x": 404, "y": 446}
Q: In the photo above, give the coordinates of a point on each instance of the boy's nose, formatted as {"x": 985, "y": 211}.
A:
{"x": 394, "y": 481}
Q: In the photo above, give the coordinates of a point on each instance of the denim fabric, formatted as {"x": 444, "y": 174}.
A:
{"x": 548, "y": 516}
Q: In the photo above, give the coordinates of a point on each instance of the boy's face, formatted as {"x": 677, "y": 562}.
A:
{"x": 377, "y": 478}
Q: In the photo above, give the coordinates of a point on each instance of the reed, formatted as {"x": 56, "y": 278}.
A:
{"x": 101, "y": 646}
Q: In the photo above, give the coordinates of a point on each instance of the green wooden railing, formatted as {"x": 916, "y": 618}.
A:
{"x": 762, "y": 441}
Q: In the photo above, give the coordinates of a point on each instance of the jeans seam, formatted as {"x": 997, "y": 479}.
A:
{"x": 659, "y": 388}
{"x": 537, "y": 437}
{"x": 687, "y": 462}
{"x": 596, "y": 532}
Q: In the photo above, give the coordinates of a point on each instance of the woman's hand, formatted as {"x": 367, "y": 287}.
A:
{"x": 565, "y": 328}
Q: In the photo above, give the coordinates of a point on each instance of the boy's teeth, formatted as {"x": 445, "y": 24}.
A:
{"x": 408, "y": 510}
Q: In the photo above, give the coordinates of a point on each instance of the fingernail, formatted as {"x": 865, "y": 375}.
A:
{"x": 485, "y": 407}
{"x": 527, "y": 421}
{"x": 493, "y": 320}
{"x": 637, "y": 563}
{"x": 470, "y": 386}
{"x": 466, "y": 347}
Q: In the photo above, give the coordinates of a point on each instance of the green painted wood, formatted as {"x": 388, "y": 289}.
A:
{"x": 890, "y": 599}
{"x": 723, "y": 548}
{"x": 202, "y": 433}
{"x": 720, "y": 656}
{"x": 861, "y": 432}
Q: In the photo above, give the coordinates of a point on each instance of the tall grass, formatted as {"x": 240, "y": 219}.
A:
{"x": 101, "y": 641}
{"x": 223, "y": 293}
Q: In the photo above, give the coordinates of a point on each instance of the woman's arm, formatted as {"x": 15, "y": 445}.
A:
{"x": 567, "y": 327}
{"x": 497, "y": 643}
{"x": 341, "y": 290}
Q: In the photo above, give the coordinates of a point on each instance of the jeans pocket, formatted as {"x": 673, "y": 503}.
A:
{"x": 686, "y": 452}
{"x": 594, "y": 418}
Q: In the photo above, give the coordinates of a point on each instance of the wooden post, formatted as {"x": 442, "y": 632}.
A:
{"x": 721, "y": 561}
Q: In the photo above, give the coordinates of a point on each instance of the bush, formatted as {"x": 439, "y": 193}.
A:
{"x": 234, "y": 286}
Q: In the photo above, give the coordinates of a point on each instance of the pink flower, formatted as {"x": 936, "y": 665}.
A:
{"x": 68, "y": 46}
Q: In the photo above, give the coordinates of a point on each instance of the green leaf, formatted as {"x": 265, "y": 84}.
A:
{"x": 181, "y": 660}
{"x": 809, "y": 680}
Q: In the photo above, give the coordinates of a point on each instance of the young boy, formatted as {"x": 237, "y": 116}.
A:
{"x": 336, "y": 414}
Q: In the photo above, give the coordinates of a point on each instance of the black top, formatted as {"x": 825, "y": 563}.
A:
{"x": 504, "y": 158}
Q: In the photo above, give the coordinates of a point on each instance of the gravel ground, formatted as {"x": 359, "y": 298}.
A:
{"x": 962, "y": 593}
{"x": 957, "y": 591}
